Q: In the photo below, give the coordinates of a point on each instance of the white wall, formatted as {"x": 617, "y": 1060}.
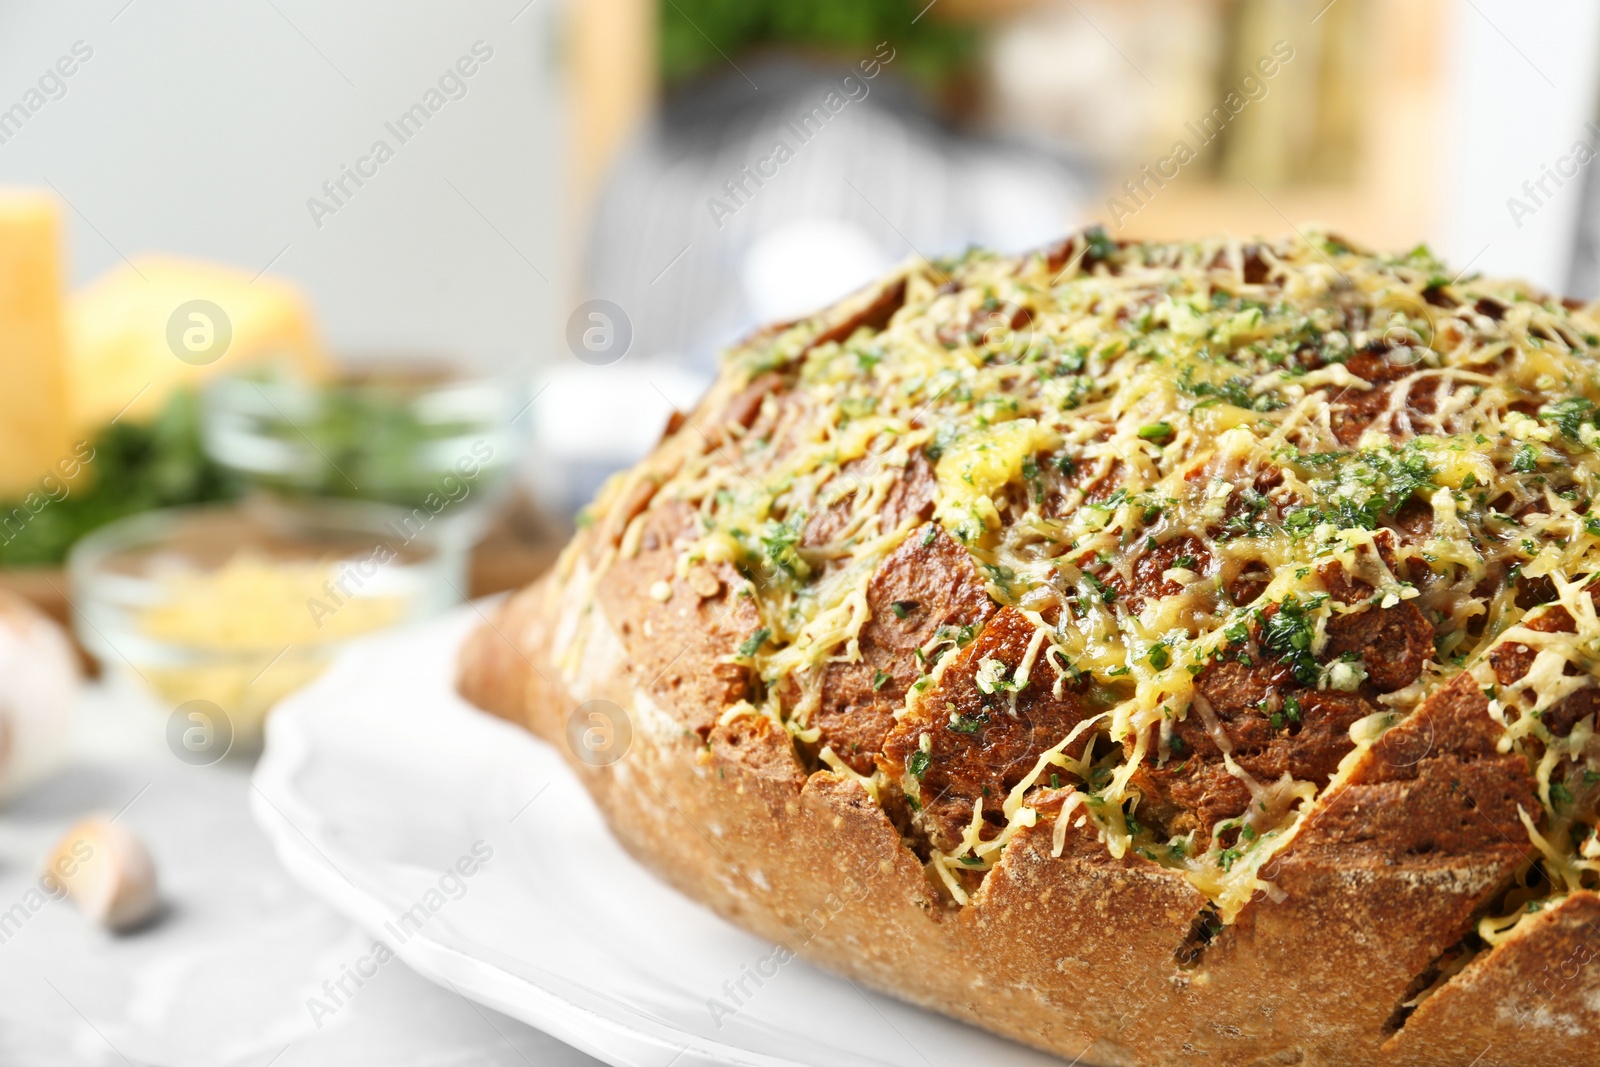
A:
{"x": 1522, "y": 87}
{"x": 202, "y": 128}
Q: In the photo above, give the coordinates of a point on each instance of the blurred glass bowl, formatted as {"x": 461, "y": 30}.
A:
{"x": 238, "y": 606}
{"x": 415, "y": 438}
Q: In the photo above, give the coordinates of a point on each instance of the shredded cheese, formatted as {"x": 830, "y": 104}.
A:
{"x": 1284, "y": 407}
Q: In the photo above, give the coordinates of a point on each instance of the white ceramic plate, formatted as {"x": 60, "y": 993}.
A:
{"x": 379, "y": 787}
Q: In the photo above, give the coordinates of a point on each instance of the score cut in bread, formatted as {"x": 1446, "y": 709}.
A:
{"x": 1154, "y": 653}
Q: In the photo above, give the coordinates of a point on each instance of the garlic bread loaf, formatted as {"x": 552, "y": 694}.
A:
{"x": 1153, "y": 653}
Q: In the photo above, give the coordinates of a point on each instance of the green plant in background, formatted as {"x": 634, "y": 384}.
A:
{"x": 697, "y": 35}
{"x": 135, "y": 468}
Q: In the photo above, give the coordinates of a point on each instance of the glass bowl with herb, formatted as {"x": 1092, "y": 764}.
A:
{"x": 416, "y": 437}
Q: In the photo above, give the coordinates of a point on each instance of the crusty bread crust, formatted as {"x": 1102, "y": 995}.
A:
{"x": 1530, "y": 1000}
{"x": 1080, "y": 954}
{"x": 1098, "y": 958}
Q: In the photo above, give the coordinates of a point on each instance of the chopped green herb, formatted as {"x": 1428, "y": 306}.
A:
{"x": 1106, "y": 594}
{"x": 753, "y": 643}
{"x": 1569, "y": 415}
{"x": 780, "y": 541}
{"x": 1288, "y": 633}
{"x": 1030, "y": 474}
{"x": 1100, "y": 246}
{"x": 966, "y": 724}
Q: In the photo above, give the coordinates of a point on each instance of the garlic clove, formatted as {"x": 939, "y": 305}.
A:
{"x": 107, "y": 872}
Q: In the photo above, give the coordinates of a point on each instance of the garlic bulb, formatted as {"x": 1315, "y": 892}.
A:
{"x": 39, "y": 683}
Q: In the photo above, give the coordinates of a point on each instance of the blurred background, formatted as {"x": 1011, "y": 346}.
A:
{"x": 319, "y": 318}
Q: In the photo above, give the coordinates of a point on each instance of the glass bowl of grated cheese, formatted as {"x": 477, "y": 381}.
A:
{"x": 238, "y": 606}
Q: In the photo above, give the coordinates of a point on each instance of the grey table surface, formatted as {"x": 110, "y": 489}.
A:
{"x": 226, "y": 974}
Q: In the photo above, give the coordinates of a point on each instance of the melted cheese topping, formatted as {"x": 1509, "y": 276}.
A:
{"x": 1077, "y": 416}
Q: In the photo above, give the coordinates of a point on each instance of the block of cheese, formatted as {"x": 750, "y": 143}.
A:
{"x": 147, "y": 328}
{"x": 35, "y": 427}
